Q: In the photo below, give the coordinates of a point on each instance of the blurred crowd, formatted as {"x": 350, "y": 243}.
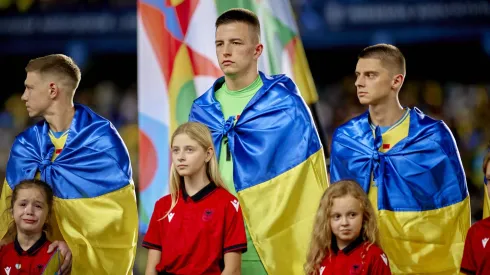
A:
{"x": 27, "y": 6}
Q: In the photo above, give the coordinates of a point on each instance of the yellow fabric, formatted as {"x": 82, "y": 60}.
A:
{"x": 420, "y": 237}
{"x": 5, "y": 215}
{"x": 58, "y": 143}
{"x": 54, "y": 264}
{"x": 280, "y": 214}
{"x": 431, "y": 239}
{"x": 486, "y": 203}
{"x": 99, "y": 231}
{"x": 302, "y": 74}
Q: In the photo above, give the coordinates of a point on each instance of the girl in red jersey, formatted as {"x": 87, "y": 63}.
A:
{"x": 198, "y": 228}
{"x": 476, "y": 255}
{"x": 345, "y": 235}
{"x": 31, "y": 205}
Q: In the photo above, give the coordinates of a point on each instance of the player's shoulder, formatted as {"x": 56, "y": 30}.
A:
{"x": 356, "y": 126}
{"x": 31, "y": 132}
{"x": 424, "y": 121}
{"x": 282, "y": 85}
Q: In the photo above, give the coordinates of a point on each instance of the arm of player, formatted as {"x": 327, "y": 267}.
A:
{"x": 233, "y": 263}
{"x": 153, "y": 259}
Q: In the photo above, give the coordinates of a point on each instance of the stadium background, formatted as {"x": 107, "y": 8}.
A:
{"x": 446, "y": 44}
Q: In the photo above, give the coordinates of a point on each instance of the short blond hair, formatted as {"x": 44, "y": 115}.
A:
{"x": 388, "y": 54}
{"x": 57, "y": 64}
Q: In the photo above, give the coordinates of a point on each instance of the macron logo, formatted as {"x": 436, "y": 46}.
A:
{"x": 7, "y": 270}
{"x": 322, "y": 269}
{"x": 236, "y": 204}
{"x": 385, "y": 259}
{"x": 170, "y": 216}
{"x": 484, "y": 242}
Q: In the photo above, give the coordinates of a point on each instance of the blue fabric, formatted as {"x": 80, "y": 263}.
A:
{"x": 421, "y": 172}
{"x": 93, "y": 162}
{"x": 274, "y": 133}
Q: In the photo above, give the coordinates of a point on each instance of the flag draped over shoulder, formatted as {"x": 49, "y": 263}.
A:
{"x": 278, "y": 168}
{"x": 95, "y": 204}
{"x": 177, "y": 63}
{"x": 423, "y": 200}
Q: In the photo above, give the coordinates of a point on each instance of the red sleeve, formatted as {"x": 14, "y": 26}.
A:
{"x": 152, "y": 239}
{"x": 379, "y": 263}
{"x": 468, "y": 264}
{"x": 235, "y": 238}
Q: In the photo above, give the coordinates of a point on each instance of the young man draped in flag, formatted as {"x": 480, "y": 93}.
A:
{"x": 268, "y": 148}
{"x": 84, "y": 160}
{"x": 409, "y": 165}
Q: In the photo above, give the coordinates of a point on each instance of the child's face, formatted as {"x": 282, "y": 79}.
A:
{"x": 346, "y": 220}
{"x": 188, "y": 157}
{"x": 30, "y": 210}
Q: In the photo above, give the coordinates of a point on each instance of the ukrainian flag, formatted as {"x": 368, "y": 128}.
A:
{"x": 95, "y": 203}
{"x": 279, "y": 168}
{"x": 422, "y": 196}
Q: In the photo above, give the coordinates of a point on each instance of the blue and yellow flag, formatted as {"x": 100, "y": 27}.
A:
{"x": 278, "y": 168}
{"x": 95, "y": 203}
{"x": 177, "y": 63}
{"x": 422, "y": 195}
{"x": 54, "y": 265}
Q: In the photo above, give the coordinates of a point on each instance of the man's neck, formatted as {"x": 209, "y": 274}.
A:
{"x": 385, "y": 114}
{"x": 236, "y": 83}
{"x": 60, "y": 119}
{"x": 195, "y": 183}
{"x": 26, "y": 241}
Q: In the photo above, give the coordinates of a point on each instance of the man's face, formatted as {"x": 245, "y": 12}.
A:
{"x": 36, "y": 94}
{"x": 237, "y": 48}
{"x": 373, "y": 81}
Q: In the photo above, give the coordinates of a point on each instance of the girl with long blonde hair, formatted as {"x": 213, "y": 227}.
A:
{"x": 198, "y": 228}
{"x": 345, "y": 234}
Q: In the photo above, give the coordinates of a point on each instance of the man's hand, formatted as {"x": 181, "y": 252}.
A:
{"x": 65, "y": 253}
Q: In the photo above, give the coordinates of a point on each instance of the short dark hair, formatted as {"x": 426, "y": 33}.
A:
{"x": 388, "y": 55}
{"x": 240, "y": 15}
{"x": 59, "y": 64}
